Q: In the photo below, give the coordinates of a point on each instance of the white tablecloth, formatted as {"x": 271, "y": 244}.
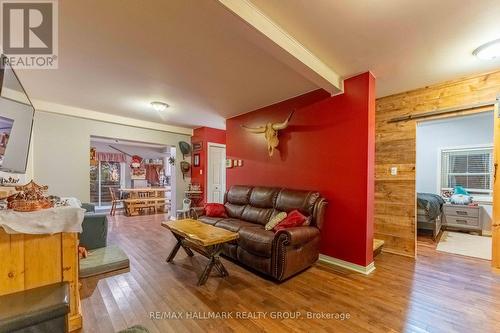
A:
{"x": 46, "y": 221}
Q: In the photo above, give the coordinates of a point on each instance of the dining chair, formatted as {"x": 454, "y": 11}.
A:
{"x": 114, "y": 201}
{"x": 147, "y": 204}
{"x": 186, "y": 208}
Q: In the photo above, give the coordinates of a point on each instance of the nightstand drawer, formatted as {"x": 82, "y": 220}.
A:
{"x": 461, "y": 211}
{"x": 465, "y": 221}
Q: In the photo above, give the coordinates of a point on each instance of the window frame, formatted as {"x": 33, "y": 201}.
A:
{"x": 487, "y": 197}
{"x": 99, "y": 180}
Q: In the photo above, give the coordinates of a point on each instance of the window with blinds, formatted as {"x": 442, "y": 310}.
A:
{"x": 470, "y": 168}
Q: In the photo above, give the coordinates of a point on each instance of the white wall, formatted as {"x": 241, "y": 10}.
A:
{"x": 432, "y": 136}
{"x": 61, "y": 147}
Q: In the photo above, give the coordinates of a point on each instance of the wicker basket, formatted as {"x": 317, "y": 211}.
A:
{"x": 30, "y": 205}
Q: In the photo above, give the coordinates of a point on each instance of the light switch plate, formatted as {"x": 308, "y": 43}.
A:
{"x": 394, "y": 171}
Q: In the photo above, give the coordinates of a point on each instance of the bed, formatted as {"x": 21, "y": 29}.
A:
{"x": 429, "y": 211}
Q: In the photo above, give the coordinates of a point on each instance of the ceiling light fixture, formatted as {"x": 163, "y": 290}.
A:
{"x": 159, "y": 106}
{"x": 488, "y": 51}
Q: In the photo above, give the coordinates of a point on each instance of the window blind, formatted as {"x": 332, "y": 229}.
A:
{"x": 469, "y": 168}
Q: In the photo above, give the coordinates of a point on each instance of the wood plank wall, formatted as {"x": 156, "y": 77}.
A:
{"x": 30, "y": 261}
{"x": 395, "y": 198}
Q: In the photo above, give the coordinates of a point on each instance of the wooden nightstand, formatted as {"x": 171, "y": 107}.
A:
{"x": 461, "y": 217}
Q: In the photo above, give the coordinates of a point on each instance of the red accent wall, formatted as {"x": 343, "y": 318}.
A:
{"x": 329, "y": 146}
{"x": 204, "y": 135}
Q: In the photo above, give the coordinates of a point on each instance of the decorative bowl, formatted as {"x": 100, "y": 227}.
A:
{"x": 30, "y": 205}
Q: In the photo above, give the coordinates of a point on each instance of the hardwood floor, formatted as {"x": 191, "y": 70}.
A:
{"x": 437, "y": 293}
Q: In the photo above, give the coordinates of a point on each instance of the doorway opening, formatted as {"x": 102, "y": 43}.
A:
{"x": 131, "y": 177}
{"x": 454, "y": 183}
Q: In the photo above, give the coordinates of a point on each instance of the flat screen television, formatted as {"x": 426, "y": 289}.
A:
{"x": 16, "y": 121}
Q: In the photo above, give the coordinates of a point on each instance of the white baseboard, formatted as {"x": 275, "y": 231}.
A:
{"x": 347, "y": 265}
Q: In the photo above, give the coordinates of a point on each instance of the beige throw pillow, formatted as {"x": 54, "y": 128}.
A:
{"x": 275, "y": 220}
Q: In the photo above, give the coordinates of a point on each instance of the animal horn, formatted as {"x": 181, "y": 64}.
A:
{"x": 260, "y": 129}
{"x": 283, "y": 125}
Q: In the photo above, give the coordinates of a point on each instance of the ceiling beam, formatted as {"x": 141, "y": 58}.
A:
{"x": 285, "y": 47}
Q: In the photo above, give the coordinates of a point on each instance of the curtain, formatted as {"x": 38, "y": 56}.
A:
{"x": 153, "y": 174}
{"x": 111, "y": 157}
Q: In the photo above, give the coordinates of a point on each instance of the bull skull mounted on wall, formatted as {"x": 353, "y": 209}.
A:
{"x": 270, "y": 131}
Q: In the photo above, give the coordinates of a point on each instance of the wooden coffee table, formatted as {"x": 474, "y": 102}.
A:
{"x": 202, "y": 238}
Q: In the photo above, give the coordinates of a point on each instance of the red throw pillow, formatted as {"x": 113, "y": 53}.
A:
{"x": 293, "y": 219}
{"x": 215, "y": 210}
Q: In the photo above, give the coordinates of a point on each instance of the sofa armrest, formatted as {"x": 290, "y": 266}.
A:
{"x": 319, "y": 212}
{"x": 89, "y": 208}
{"x": 94, "y": 231}
{"x": 298, "y": 235}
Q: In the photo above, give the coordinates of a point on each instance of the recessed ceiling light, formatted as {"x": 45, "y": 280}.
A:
{"x": 159, "y": 106}
{"x": 488, "y": 51}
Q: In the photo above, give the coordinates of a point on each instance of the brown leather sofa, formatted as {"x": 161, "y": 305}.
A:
{"x": 279, "y": 255}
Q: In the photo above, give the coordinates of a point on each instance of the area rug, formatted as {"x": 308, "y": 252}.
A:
{"x": 465, "y": 245}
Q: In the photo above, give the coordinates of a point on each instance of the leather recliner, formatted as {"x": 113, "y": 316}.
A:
{"x": 281, "y": 254}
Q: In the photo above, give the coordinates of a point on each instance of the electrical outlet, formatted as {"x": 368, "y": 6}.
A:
{"x": 394, "y": 171}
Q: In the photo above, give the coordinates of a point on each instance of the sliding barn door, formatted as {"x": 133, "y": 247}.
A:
{"x": 495, "y": 228}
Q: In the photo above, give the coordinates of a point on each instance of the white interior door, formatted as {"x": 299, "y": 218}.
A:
{"x": 216, "y": 173}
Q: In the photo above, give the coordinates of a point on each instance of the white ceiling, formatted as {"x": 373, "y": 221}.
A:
{"x": 116, "y": 56}
{"x": 407, "y": 44}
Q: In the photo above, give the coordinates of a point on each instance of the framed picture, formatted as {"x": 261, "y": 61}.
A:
{"x": 197, "y": 146}
{"x": 196, "y": 160}
{"x": 229, "y": 163}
